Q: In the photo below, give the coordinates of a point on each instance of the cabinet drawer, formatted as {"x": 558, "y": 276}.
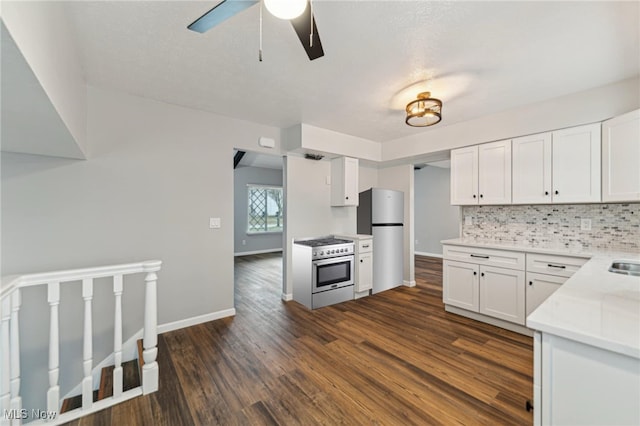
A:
{"x": 484, "y": 256}
{"x": 561, "y": 266}
{"x": 365, "y": 246}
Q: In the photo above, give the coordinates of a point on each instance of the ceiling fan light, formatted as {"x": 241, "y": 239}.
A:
{"x": 424, "y": 111}
{"x": 286, "y": 9}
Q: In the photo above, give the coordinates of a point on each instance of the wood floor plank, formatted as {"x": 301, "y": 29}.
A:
{"x": 396, "y": 357}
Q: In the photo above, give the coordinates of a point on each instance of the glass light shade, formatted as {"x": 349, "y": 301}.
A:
{"x": 424, "y": 111}
{"x": 286, "y": 9}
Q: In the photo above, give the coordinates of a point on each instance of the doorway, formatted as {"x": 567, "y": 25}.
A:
{"x": 259, "y": 224}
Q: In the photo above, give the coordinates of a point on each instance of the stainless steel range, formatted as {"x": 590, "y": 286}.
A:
{"x": 323, "y": 271}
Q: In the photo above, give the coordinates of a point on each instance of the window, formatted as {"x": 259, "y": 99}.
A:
{"x": 265, "y": 209}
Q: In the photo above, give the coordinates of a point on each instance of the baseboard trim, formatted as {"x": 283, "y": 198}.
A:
{"x": 287, "y": 297}
{"x": 188, "y": 322}
{"x": 248, "y": 253}
{"x": 424, "y": 253}
{"x": 516, "y": 328}
{"x": 408, "y": 283}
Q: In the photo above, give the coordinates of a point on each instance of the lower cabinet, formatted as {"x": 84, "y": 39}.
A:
{"x": 496, "y": 292}
{"x": 540, "y": 287}
{"x": 364, "y": 275}
{"x": 579, "y": 384}
{"x": 460, "y": 285}
{"x": 502, "y": 294}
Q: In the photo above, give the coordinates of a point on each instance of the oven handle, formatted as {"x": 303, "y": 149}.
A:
{"x": 331, "y": 260}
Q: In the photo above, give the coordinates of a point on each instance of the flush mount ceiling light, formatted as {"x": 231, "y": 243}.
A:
{"x": 424, "y": 111}
{"x": 286, "y": 9}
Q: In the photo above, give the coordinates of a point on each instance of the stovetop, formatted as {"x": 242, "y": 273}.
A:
{"x": 323, "y": 241}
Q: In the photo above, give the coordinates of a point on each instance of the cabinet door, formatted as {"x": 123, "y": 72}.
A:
{"x": 621, "y": 158}
{"x": 464, "y": 176}
{"x": 531, "y": 177}
{"x": 344, "y": 181}
{"x": 576, "y": 164}
{"x": 460, "y": 285}
{"x": 502, "y": 294}
{"x": 351, "y": 181}
{"x": 365, "y": 272}
{"x": 539, "y": 287}
{"x": 494, "y": 172}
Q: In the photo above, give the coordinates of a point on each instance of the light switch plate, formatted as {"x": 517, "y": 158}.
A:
{"x": 214, "y": 222}
{"x": 327, "y": 180}
{"x": 468, "y": 220}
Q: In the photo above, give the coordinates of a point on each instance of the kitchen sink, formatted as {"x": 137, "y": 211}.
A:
{"x": 625, "y": 267}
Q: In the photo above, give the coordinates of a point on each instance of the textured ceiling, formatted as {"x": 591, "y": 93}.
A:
{"x": 479, "y": 58}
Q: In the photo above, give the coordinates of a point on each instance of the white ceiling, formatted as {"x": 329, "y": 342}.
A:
{"x": 480, "y": 57}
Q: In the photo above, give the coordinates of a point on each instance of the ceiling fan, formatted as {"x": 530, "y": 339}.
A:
{"x": 300, "y": 16}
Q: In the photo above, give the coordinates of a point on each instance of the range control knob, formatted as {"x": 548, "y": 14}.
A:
{"x": 321, "y": 253}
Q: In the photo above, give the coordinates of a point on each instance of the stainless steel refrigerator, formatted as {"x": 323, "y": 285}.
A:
{"x": 381, "y": 214}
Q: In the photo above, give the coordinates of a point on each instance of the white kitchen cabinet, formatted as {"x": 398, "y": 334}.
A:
{"x": 481, "y": 174}
{"x": 539, "y": 288}
{"x": 557, "y": 167}
{"x": 364, "y": 274}
{"x": 579, "y": 384}
{"x": 502, "y": 294}
{"x": 545, "y": 274}
{"x": 460, "y": 285}
{"x": 576, "y": 164}
{"x": 531, "y": 176}
{"x": 364, "y": 267}
{"x": 464, "y": 176}
{"x": 621, "y": 158}
{"x": 487, "y": 281}
{"x": 344, "y": 181}
{"x": 494, "y": 172}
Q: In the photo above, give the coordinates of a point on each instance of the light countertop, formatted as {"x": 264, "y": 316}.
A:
{"x": 355, "y": 237}
{"x": 594, "y": 306}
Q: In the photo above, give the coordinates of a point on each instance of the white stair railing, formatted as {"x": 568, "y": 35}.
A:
{"x": 10, "y": 303}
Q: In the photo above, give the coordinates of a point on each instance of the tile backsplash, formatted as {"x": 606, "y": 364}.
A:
{"x": 614, "y": 226}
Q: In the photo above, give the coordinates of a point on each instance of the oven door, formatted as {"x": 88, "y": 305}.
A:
{"x": 332, "y": 273}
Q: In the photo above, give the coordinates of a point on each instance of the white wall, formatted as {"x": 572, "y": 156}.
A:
{"x": 307, "y": 207}
{"x": 157, "y": 173}
{"x": 401, "y": 178}
{"x": 242, "y": 176}
{"x": 435, "y": 218}
{"x": 572, "y": 110}
{"x": 41, "y": 31}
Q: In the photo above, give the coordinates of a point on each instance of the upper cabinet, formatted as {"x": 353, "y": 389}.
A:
{"x": 557, "y": 167}
{"x": 481, "y": 174}
{"x": 621, "y": 158}
{"x": 575, "y": 164}
{"x": 532, "y": 169}
{"x": 344, "y": 181}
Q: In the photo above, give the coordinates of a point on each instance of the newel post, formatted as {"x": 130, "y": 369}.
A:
{"x": 150, "y": 338}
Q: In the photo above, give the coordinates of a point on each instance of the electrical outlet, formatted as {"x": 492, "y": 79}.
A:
{"x": 585, "y": 224}
{"x": 244, "y": 242}
{"x": 468, "y": 220}
{"x": 214, "y": 222}
{"x": 416, "y": 241}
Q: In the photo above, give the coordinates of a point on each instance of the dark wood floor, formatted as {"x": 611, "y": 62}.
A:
{"x": 396, "y": 358}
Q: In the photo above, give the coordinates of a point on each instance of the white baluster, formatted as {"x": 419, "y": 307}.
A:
{"x": 16, "y": 400}
{"x": 53, "y": 394}
{"x": 5, "y": 366}
{"x": 87, "y": 357}
{"x": 117, "y": 337}
{"x": 150, "y": 369}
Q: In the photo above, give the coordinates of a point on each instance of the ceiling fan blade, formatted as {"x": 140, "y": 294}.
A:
{"x": 302, "y": 25}
{"x": 220, "y": 13}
